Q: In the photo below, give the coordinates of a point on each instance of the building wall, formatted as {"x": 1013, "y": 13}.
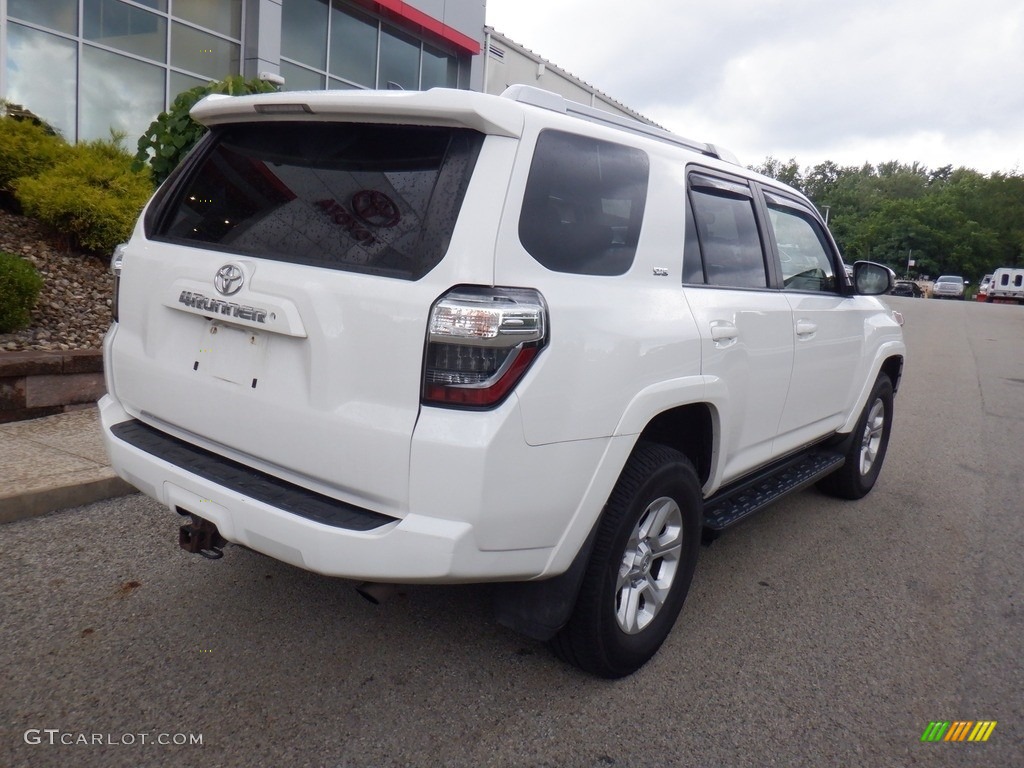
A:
{"x": 509, "y": 63}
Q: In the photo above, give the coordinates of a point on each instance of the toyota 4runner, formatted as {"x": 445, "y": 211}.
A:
{"x": 448, "y": 337}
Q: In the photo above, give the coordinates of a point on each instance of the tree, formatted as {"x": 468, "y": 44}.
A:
{"x": 170, "y": 137}
{"x": 787, "y": 173}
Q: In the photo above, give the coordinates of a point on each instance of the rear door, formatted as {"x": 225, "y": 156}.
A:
{"x": 275, "y": 310}
{"x": 746, "y": 327}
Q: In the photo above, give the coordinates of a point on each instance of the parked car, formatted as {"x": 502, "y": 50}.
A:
{"x": 447, "y": 337}
{"x": 907, "y": 288}
{"x": 949, "y": 287}
{"x": 983, "y": 286}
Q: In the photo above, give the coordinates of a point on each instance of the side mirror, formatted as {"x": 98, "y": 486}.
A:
{"x": 872, "y": 279}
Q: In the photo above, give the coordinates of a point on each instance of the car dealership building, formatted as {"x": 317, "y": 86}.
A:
{"x": 87, "y": 66}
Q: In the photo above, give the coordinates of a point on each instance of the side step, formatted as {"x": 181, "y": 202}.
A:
{"x": 735, "y": 503}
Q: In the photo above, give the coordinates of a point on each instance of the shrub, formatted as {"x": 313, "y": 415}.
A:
{"x": 92, "y": 196}
{"x": 26, "y": 148}
{"x": 170, "y": 137}
{"x": 19, "y": 290}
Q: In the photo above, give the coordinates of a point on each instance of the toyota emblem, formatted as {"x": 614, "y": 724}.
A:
{"x": 229, "y": 279}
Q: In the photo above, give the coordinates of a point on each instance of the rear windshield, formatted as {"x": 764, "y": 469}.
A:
{"x": 380, "y": 199}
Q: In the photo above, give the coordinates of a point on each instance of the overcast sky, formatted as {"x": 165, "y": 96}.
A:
{"x": 940, "y": 82}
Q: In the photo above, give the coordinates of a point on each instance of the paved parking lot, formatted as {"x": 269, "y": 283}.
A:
{"x": 820, "y": 633}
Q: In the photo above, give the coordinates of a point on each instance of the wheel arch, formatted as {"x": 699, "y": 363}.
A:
{"x": 888, "y": 360}
{"x": 689, "y": 429}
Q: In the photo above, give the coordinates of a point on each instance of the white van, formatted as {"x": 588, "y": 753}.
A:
{"x": 449, "y": 337}
{"x": 1007, "y": 285}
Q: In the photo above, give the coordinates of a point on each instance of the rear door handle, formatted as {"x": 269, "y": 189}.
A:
{"x": 724, "y": 333}
{"x": 805, "y": 328}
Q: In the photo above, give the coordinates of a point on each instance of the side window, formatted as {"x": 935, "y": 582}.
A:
{"x": 584, "y": 204}
{"x": 727, "y": 229}
{"x": 693, "y": 265}
{"x": 803, "y": 250}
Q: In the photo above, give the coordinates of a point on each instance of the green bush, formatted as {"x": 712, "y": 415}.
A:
{"x": 170, "y": 137}
{"x": 26, "y": 148}
{"x": 92, "y": 196}
{"x": 19, "y": 290}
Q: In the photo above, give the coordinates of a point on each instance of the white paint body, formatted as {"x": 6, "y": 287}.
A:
{"x": 502, "y": 494}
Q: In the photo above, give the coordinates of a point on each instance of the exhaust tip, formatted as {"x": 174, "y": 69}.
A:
{"x": 375, "y": 592}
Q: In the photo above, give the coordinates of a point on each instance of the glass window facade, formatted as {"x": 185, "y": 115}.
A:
{"x": 30, "y": 52}
{"x": 89, "y": 66}
{"x": 304, "y": 32}
{"x": 201, "y": 52}
{"x": 61, "y": 15}
{"x": 224, "y": 18}
{"x": 126, "y": 28}
{"x": 59, "y": 56}
{"x": 122, "y": 93}
{"x": 351, "y": 48}
{"x": 439, "y": 69}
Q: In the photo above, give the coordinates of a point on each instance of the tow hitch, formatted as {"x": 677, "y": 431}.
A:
{"x": 201, "y": 537}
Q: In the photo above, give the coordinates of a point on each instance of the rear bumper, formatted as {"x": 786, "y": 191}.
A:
{"x": 464, "y": 526}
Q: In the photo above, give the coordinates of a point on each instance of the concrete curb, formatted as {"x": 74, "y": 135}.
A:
{"x": 53, "y": 463}
{"x": 35, "y": 503}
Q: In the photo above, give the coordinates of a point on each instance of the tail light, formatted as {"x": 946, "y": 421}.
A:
{"x": 116, "y": 263}
{"x": 480, "y": 342}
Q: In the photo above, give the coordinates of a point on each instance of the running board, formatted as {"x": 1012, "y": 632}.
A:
{"x": 749, "y": 496}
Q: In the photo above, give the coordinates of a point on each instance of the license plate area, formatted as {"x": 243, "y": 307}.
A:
{"x": 232, "y": 354}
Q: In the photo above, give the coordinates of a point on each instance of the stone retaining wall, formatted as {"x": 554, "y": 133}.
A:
{"x": 34, "y": 384}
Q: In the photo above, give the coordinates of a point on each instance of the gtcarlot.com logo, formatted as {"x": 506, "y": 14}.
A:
{"x": 958, "y": 730}
{"x": 55, "y": 737}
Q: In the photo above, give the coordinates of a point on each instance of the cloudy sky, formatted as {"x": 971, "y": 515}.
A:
{"x": 940, "y": 82}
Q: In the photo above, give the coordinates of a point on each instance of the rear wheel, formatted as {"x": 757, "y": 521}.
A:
{"x": 867, "y": 450}
{"x": 641, "y": 566}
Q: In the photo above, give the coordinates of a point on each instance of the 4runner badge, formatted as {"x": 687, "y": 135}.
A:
{"x": 228, "y": 280}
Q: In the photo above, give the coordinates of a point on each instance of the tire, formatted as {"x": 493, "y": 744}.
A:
{"x": 866, "y": 453}
{"x": 640, "y": 568}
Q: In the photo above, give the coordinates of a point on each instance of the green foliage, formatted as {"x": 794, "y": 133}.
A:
{"x": 787, "y": 173}
{"x": 948, "y": 221}
{"x": 170, "y": 137}
{"x": 19, "y": 290}
{"x": 26, "y": 148}
{"x": 92, "y": 196}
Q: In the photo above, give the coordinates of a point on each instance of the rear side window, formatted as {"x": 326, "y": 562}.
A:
{"x": 726, "y": 226}
{"x": 380, "y": 199}
{"x": 584, "y": 204}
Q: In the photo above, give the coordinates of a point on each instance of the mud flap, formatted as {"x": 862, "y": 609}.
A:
{"x": 539, "y": 609}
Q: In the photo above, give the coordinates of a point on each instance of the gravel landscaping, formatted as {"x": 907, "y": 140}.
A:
{"x": 73, "y": 311}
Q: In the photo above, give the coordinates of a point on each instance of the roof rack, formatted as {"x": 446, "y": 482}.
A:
{"x": 538, "y": 97}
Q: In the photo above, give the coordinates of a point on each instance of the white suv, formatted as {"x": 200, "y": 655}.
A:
{"x": 449, "y": 337}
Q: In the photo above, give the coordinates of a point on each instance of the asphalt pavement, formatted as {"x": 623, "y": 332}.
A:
{"x": 819, "y": 633}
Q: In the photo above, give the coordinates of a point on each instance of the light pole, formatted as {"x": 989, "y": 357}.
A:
{"x": 827, "y": 209}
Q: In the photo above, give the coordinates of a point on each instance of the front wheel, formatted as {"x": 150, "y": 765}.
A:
{"x": 640, "y": 568}
{"x": 867, "y": 449}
